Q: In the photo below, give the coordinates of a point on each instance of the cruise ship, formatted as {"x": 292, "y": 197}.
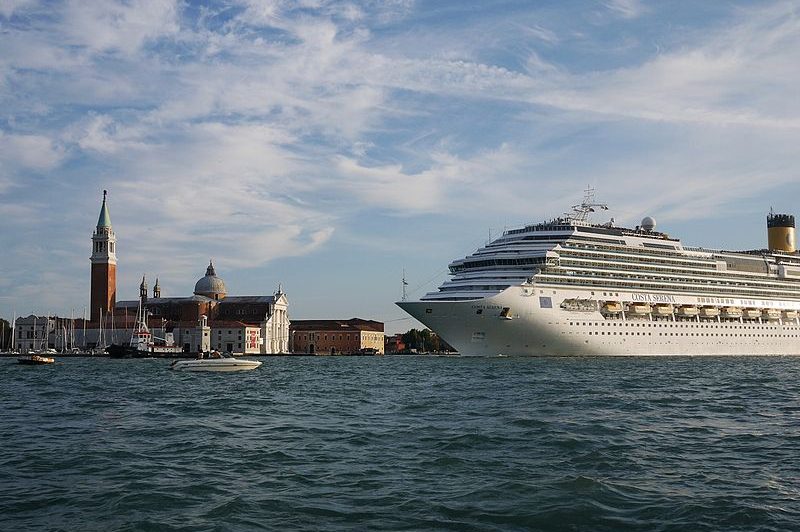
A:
{"x": 569, "y": 287}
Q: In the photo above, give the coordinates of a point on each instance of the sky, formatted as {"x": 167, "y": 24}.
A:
{"x": 331, "y": 146}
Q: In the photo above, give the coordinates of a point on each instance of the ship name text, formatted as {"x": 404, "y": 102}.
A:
{"x": 653, "y": 298}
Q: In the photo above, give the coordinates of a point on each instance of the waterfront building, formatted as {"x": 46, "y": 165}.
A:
{"x": 38, "y": 333}
{"x": 337, "y": 337}
{"x": 208, "y": 319}
{"x": 33, "y": 333}
{"x": 394, "y": 344}
{"x": 237, "y": 336}
{"x": 238, "y": 324}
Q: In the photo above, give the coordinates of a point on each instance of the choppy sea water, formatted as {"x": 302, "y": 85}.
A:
{"x": 403, "y": 443}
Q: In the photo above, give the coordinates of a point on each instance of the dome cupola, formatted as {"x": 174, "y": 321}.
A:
{"x": 210, "y": 285}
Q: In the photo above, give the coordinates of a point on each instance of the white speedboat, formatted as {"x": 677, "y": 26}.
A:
{"x": 35, "y": 360}
{"x": 215, "y": 363}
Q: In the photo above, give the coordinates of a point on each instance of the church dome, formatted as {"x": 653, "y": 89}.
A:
{"x": 210, "y": 285}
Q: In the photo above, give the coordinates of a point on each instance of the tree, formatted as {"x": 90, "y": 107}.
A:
{"x": 425, "y": 341}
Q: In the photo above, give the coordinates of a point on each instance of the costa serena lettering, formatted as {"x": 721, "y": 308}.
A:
{"x": 653, "y": 298}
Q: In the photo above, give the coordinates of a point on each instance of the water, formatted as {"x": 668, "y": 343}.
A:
{"x": 403, "y": 443}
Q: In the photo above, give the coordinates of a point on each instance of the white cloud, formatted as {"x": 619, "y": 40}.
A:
{"x": 628, "y": 9}
{"x": 742, "y": 75}
{"x": 216, "y": 189}
{"x": 448, "y": 180}
{"x": 539, "y": 32}
{"x": 102, "y": 134}
{"x": 33, "y": 152}
{"x": 261, "y": 12}
{"x": 8, "y": 7}
{"x": 259, "y": 136}
{"x": 112, "y": 25}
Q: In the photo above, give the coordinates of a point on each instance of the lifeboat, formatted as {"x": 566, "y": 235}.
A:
{"x": 731, "y": 312}
{"x": 790, "y": 314}
{"x": 709, "y": 312}
{"x": 751, "y": 313}
{"x": 612, "y": 307}
{"x": 639, "y": 309}
{"x": 688, "y": 311}
{"x": 771, "y": 314}
{"x": 663, "y": 310}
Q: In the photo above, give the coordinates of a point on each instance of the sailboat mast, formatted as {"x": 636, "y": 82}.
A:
{"x": 136, "y": 325}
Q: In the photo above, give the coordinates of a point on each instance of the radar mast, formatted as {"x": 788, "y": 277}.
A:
{"x": 580, "y": 212}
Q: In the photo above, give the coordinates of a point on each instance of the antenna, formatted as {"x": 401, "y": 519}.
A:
{"x": 580, "y": 212}
{"x": 405, "y": 283}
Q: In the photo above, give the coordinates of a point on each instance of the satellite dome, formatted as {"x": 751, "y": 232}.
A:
{"x": 648, "y": 223}
{"x": 210, "y": 285}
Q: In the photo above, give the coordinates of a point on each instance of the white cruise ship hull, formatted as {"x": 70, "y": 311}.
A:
{"x": 530, "y": 321}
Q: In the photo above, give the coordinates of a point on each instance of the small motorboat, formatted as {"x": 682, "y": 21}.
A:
{"x": 35, "y": 360}
{"x": 215, "y": 362}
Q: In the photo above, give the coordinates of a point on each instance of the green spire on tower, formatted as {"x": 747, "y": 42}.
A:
{"x": 105, "y": 219}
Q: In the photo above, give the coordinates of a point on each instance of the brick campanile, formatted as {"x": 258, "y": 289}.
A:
{"x": 104, "y": 265}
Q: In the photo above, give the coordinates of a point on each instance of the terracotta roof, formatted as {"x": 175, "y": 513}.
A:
{"x": 152, "y": 301}
{"x": 247, "y": 299}
{"x": 353, "y": 324}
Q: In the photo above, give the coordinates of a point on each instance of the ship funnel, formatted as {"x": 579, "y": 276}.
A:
{"x": 780, "y": 232}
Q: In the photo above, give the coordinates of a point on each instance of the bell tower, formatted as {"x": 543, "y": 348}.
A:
{"x": 104, "y": 265}
{"x": 143, "y": 291}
